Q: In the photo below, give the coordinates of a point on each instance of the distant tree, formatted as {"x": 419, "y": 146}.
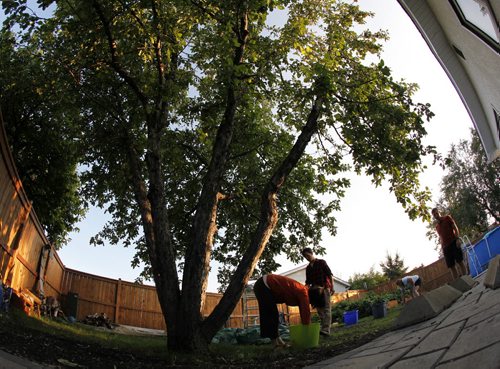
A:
{"x": 393, "y": 267}
{"x": 470, "y": 191}
{"x": 367, "y": 281}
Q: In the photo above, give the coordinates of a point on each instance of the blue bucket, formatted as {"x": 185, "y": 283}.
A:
{"x": 351, "y": 317}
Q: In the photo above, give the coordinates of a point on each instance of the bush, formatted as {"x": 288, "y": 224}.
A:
{"x": 364, "y": 305}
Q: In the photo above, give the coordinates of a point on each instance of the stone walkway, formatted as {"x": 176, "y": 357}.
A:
{"x": 464, "y": 336}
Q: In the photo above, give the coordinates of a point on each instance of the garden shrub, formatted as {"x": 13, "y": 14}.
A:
{"x": 364, "y": 305}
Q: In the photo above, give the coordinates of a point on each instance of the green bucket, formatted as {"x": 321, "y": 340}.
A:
{"x": 304, "y": 336}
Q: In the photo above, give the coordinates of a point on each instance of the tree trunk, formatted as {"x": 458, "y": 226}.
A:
{"x": 198, "y": 254}
{"x": 187, "y": 337}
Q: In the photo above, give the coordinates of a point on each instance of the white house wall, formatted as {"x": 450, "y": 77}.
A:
{"x": 300, "y": 276}
{"x": 476, "y": 78}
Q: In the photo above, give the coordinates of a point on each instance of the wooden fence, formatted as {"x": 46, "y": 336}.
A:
{"x": 27, "y": 260}
{"x": 126, "y": 302}
{"x": 433, "y": 275}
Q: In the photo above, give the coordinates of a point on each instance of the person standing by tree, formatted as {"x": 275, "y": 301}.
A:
{"x": 448, "y": 233}
{"x": 318, "y": 274}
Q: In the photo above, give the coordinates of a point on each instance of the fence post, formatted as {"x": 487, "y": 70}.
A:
{"x": 117, "y": 299}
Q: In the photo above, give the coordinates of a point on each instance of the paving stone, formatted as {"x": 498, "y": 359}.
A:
{"x": 371, "y": 351}
{"x": 428, "y": 305}
{"x": 418, "y": 309}
{"x": 458, "y": 315}
{"x": 325, "y": 363}
{"x": 444, "y": 296}
{"x": 437, "y": 339}
{"x": 487, "y": 358}
{"x": 11, "y": 365}
{"x": 396, "y": 339}
{"x": 489, "y": 312}
{"x": 492, "y": 277}
{"x": 377, "y": 361}
{"x": 433, "y": 322}
{"x": 464, "y": 283}
{"x": 413, "y": 338}
{"x": 428, "y": 344}
{"x": 389, "y": 338}
{"x": 489, "y": 297}
{"x": 468, "y": 297}
{"x": 426, "y": 361}
{"x": 475, "y": 338}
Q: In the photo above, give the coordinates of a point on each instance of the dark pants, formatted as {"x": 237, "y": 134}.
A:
{"x": 268, "y": 311}
{"x": 453, "y": 253}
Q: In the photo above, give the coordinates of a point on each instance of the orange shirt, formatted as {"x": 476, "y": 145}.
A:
{"x": 289, "y": 291}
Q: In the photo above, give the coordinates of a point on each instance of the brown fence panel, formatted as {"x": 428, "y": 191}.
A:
{"x": 128, "y": 303}
{"x": 21, "y": 235}
{"x": 95, "y": 294}
{"x": 348, "y": 295}
{"x": 53, "y": 275}
{"x": 138, "y": 305}
{"x": 433, "y": 276}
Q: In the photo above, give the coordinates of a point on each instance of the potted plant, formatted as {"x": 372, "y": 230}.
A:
{"x": 379, "y": 307}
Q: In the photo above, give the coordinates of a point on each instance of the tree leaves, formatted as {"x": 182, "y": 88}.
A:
{"x": 393, "y": 266}
{"x": 470, "y": 190}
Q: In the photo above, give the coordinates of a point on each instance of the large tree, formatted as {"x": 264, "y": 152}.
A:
{"x": 470, "y": 190}
{"x": 199, "y": 112}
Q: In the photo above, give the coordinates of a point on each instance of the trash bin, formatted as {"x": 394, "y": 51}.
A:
{"x": 72, "y": 304}
{"x": 351, "y": 317}
{"x": 379, "y": 310}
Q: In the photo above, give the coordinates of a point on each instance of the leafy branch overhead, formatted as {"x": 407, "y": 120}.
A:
{"x": 220, "y": 131}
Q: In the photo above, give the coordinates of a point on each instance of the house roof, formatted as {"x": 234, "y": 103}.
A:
{"x": 303, "y": 267}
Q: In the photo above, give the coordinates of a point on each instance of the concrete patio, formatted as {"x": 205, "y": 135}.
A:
{"x": 465, "y": 335}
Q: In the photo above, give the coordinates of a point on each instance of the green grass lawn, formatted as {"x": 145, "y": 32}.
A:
{"x": 84, "y": 334}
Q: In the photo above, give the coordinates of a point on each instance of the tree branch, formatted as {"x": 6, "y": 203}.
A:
{"x": 203, "y": 8}
{"x": 115, "y": 62}
{"x": 197, "y": 264}
{"x": 244, "y": 153}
